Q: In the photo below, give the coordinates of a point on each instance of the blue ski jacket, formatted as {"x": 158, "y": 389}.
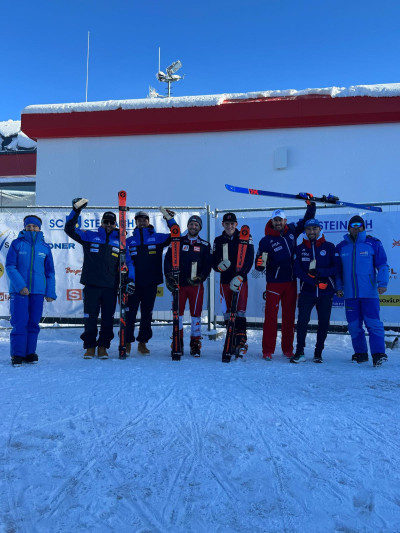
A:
{"x": 30, "y": 264}
{"x": 100, "y": 254}
{"x": 323, "y": 252}
{"x": 362, "y": 266}
{"x": 144, "y": 252}
{"x": 280, "y": 248}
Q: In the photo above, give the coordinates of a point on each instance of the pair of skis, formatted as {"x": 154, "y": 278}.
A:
{"x": 333, "y": 200}
{"x": 229, "y": 345}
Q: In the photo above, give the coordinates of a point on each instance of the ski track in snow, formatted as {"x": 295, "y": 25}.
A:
{"x": 150, "y": 445}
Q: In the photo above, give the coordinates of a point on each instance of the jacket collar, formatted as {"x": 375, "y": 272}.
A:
{"x": 360, "y": 238}
{"x": 318, "y": 242}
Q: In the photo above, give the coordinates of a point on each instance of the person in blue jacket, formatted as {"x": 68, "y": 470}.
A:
{"x": 30, "y": 269}
{"x": 363, "y": 276}
{"x": 275, "y": 256}
{"x": 100, "y": 276}
{"x": 144, "y": 260}
{"x": 315, "y": 265}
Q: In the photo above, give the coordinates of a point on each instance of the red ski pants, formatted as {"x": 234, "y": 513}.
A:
{"x": 227, "y": 294}
{"x": 195, "y": 295}
{"x": 286, "y": 294}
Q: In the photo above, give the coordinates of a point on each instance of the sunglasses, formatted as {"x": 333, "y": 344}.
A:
{"x": 356, "y": 225}
{"x": 108, "y": 222}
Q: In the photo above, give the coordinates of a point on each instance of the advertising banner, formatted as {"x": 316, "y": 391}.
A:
{"x": 68, "y": 257}
{"x": 384, "y": 226}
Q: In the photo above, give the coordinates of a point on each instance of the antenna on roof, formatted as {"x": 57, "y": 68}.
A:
{"x": 170, "y": 76}
{"x": 87, "y": 64}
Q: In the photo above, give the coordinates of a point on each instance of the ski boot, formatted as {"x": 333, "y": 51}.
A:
{"x": 195, "y": 346}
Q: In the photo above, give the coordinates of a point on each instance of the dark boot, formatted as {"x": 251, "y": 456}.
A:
{"x": 298, "y": 357}
{"x": 359, "y": 358}
{"x": 32, "y": 358}
{"x": 379, "y": 358}
{"x": 195, "y": 346}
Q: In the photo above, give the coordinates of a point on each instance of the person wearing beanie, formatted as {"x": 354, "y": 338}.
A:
{"x": 30, "y": 269}
{"x": 144, "y": 259}
{"x": 224, "y": 258}
{"x": 275, "y": 257}
{"x": 315, "y": 265}
{"x": 100, "y": 277}
{"x": 363, "y": 276}
{"x": 194, "y": 269}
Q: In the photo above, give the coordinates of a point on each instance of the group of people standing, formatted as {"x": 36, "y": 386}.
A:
{"x": 356, "y": 269}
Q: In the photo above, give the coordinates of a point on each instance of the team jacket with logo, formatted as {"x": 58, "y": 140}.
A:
{"x": 144, "y": 255}
{"x": 192, "y": 251}
{"x": 326, "y": 264}
{"x": 100, "y": 253}
{"x": 233, "y": 246}
{"x": 30, "y": 264}
{"x": 363, "y": 266}
{"x": 280, "y": 248}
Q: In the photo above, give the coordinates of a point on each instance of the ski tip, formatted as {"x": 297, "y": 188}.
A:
{"x": 122, "y": 194}
{"x": 229, "y": 187}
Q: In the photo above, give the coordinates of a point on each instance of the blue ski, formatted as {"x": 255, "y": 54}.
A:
{"x": 333, "y": 200}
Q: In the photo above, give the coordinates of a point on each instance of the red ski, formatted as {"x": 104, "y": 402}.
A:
{"x": 229, "y": 346}
{"x": 123, "y": 273}
{"x": 176, "y": 351}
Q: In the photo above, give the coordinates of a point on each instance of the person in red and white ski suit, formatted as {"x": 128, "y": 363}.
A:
{"x": 194, "y": 269}
{"x": 224, "y": 258}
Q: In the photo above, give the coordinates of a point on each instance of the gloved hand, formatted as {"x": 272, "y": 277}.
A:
{"x": 236, "y": 283}
{"x": 130, "y": 287}
{"x": 307, "y": 197}
{"x": 224, "y": 265}
{"x": 261, "y": 261}
{"x": 322, "y": 286}
{"x": 167, "y": 213}
{"x": 171, "y": 283}
{"x": 313, "y": 273}
{"x": 196, "y": 280}
{"x": 79, "y": 203}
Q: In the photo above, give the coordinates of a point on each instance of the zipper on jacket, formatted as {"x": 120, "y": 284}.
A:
{"x": 277, "y": 271}
{"x": 354, "y": 270}
{"x": 32, "y": 257}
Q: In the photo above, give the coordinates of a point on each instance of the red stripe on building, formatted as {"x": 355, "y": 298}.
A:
{"x": 18, "y": 164}
{"x": 273, "y": 113}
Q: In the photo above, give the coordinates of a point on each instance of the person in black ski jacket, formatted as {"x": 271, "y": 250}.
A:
{"x": 224, "y": 258}
{"x": 194, "y": 269}
{"x": 100, "y": 276}
{"x": 316, "y": 266}
{"x": 275, "y": 256}
{"x": 144, "y": 260}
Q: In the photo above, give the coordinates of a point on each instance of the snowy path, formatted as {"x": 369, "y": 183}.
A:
{"x": 150, "y": 445}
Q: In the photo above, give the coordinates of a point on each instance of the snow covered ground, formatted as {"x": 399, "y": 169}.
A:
{"x": 150, "y": 445}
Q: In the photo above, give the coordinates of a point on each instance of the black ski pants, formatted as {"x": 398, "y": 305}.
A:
{"x": 96, "y": 299}
{"x": 323, "y": 304}
{"x": 144, "y": 296}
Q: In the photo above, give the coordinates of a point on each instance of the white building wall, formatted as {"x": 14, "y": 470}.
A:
{"x": 357, "y": 163}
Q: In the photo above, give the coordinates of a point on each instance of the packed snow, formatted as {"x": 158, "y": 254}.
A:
{"x": 380, "y": 90}
{"x": 151, "y": 445}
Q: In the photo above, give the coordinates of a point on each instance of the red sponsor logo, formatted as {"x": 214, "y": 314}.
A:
{"x": 396, "y": 243}
{"x": 4, "y": 296}
{"x": 74, "y": 294}
{"x": 69, "y": 270}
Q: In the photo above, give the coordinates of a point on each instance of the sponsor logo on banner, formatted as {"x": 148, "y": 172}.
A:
{"x": 160, "y": 291}
{"x": 396, "y": 243}
{"x": 390, "y": 300}
{"x": 61, "y": 245}
{"x": 340, "y": 226}
{"x": 393, "y": 274}
{"x": 4, "y": 296}
{"x": 74, "y": 294}
{"x": 1, "y": 270}
{"x": 69, "y": 270}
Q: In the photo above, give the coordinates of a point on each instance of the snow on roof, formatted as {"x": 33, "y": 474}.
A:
{"x": 12, "y": 128}
{"x": 381, "y": 90}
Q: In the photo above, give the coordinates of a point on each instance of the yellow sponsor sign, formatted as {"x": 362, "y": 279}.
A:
{"x": 1, "y": 270}
{"x": 160, "y": 291}
{"x": 392, "y": 300}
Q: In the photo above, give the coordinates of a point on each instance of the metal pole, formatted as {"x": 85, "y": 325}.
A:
{"x": 87, "y": 64}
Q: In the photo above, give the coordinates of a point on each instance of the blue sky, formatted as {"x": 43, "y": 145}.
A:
{"x": 225, "y": 47}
